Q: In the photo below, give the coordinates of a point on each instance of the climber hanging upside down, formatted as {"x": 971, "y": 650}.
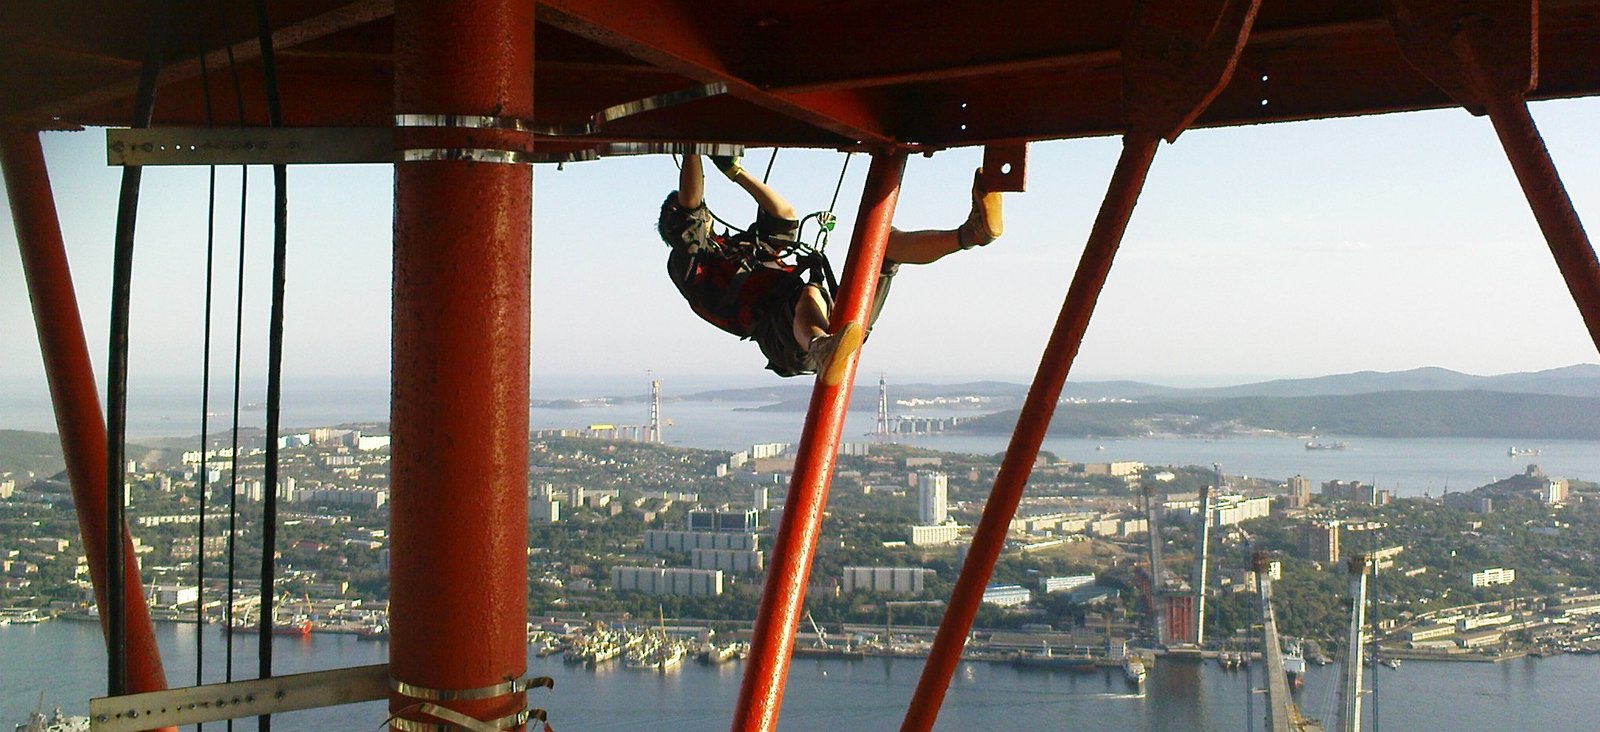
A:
{"x": 741, "y": 285}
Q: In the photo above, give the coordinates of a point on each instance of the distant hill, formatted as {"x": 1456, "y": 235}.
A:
{"x": 1378, "y": 414}
{"x": 36, "y": 452}
{"x": 1582, "y": 380}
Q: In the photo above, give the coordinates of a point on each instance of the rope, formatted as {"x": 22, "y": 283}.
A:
{"x": 280, "y": 217}
{"x": 238, "y": 339}
{"x": 205, "y": 374}
{"x": 117, "y": 370}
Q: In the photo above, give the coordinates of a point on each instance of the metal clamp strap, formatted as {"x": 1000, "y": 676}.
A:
{"x": 457, "y": 721}
{"x": 596, "y": 120}
{"x": 486, "y": 155}
{"x": 504, "y": 688}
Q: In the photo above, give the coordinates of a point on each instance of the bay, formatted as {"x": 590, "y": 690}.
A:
{"x": 66, "y": 661}
{"x": 1410, "y": 467}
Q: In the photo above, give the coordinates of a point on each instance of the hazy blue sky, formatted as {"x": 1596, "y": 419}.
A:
{"x": 1278, "y": 250}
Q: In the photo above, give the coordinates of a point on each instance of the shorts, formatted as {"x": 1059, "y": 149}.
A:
{"x": 773, "y": 329}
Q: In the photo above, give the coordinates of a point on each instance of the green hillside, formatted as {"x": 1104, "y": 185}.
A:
{"x": 1383, "y": 414}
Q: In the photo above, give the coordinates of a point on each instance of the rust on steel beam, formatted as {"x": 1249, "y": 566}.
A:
{"x": 1485, "y": 55}
{"x": 783, "y": 595}
{"x": 667, "y": 36}
{"x": 73, "y": 392}
{"x": 463, "y": 228}
{"x": 1178, "y": 56}
{"x": 324, "y": 24}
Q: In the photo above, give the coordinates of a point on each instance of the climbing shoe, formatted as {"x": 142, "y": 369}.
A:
{"x": 728, "y": 164}
{"x": 831, "y": 352}
{"x": 986, "y": 221}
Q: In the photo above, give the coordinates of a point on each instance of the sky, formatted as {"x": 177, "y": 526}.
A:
{"x": 1283, "y": 250}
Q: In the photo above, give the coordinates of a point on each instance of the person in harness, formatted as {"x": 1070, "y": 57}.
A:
{"x": 743, "y": 284}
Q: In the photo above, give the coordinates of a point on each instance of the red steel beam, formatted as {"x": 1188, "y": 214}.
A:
{"x": 1176, "y": 58}
{"x": 462, "y": 255}
{"x": 783, "y": 596}
{"x": 73, "y": 391}
{"x": 668, "y": 36}
{"x": 337, "y": 19}
{"x": 1551, "y": 205}
{"x": 1032, "y": 423}
{"x": 1485, "y": 55}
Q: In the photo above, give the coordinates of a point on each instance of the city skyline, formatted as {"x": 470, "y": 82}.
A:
{"x": 1372, "y": 243}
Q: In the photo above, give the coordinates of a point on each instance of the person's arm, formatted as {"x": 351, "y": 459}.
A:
{"x": 691, "y": 182}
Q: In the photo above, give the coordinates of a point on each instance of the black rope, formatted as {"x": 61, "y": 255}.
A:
{"x": 117, "y": 370}
{"x": 205, "y": 377}
{"x": 238, "y": 339}
{"x": 280, "y": 218}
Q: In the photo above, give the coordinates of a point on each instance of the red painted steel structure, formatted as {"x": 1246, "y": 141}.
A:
{"x": 1552, "y": 207}
{"x": 1485, "y": 55}
{"x": 783, "y": 596}
{"x": 462, "y": 252}
{"x": 1032, "y": 423}
{"x": 1176, "y": 59}
{"x": 70, "y": 373}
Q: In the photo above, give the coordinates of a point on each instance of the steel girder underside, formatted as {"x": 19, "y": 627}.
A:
{"x": 831, "y": 73}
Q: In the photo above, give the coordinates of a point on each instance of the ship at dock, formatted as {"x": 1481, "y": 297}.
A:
{"x": 1046, "y": 658}
{"x": 1133, "y": 670}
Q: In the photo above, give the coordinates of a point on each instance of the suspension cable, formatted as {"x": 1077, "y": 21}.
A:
{"x": 205, "y": 374}
{"x": 117, "y": 370}
{"x": 280, "y": 216}
{"x": 238, "y": 340}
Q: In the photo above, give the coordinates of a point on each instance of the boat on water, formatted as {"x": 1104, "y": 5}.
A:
{"x": 1314, "y": 445}
{"x": 1515, "y": 451}
{"x": 1294, "y": 663}
{"x": 298, "y": 628}
{"x": 1045, "y": 658}
{"x": 21, "y": 616}
{"x": 56, "y": 722}
{"x": 1133, "y": 670}
{"x": 715, "y": 655}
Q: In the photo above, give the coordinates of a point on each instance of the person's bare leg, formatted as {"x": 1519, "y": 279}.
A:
{"x": 983, "y": 225}
{"x": 810, "y": 316}
{"x": 765, "y": 197}
{"x": 921, "y": 247}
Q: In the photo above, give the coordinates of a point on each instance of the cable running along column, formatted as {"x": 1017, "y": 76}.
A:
{"x": 117, "y": 371}
{"x": 783, "y": 596}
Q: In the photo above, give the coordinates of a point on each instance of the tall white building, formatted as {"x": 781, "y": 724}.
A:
{"x": 933, "y": 490}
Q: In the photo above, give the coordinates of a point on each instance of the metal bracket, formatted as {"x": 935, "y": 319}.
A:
{"x": 233, "y": 700}
{"x": 1005, "y": 167}
{"x": 249, "y": 145}
{"x": 325, "y": 145}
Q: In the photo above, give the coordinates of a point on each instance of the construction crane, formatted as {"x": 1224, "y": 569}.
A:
{"x": 822, "y": 635}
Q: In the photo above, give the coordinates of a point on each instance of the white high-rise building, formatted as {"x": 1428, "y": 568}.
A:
{"x": 932, "y": 498}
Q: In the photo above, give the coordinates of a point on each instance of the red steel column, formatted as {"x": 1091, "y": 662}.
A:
{"x": 1040, "y": 406}
{"x": 459, "y": 414}
{"x": 1551, "y": 205}
{"x": 79, "y": 420}
{"x": 783, "y": 597}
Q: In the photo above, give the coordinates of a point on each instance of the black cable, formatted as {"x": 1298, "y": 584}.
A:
{"x": 117, "y": 369}
{"x": 205, "y": 378}
{"x": 238, "y": 339}
{"x": 280, "y": 218}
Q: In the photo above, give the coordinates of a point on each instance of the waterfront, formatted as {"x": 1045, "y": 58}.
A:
{"x": 1410, "y": 466}
{"x": 66, "y": 661}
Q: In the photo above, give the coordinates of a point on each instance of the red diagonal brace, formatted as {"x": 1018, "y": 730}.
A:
{"x": 73, "y": 390}
{"x": 783, "y": 597}
{"x": 1484, "y": 54}
{"x": 1178, "y": 55}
